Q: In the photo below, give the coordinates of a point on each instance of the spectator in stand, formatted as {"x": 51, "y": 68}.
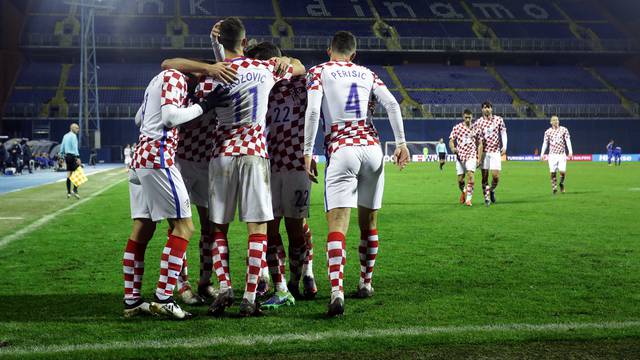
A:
{"x": 3, "y": 157}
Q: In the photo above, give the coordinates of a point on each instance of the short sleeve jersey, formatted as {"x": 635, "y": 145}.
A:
{"x": 157, "y": 144}
{"x": 347, "y": 89}
{"x": 489, "y": 130}
{"x": 285, "y": 124}
{"x": 465, "y": 139}
{"x": 241, "y": 126}
{"x": 195, "y": 141}
{"x": 557, "y": 139}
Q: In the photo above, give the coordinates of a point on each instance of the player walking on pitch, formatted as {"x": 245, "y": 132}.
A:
{"x": 441, "y": 150}
{"x": 239, "y": 169}
{"x": 157, "y": 191}
{"x": 355, "y": 166}
{"x": 557, "y": 139}
{"x": 465, "y": 143}
{"x": 493, "y": 134}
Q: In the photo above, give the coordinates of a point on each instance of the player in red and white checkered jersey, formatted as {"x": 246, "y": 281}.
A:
{"x": 355, "y": 166}
{"x": 290, "y": 187}
{"x": 465, "y": 142}
{"x": 493, "y": 134}
{"x": 239, "y": 169}
{"x": 557, "y": 138}
{"x": 158, "y": 192}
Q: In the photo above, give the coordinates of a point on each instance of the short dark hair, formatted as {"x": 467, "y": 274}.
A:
{"x": 231, "y": 33}
{"x": 343, "y": 42}
{"x": 487, "y": 104}
{"x": 467, "y": 112}
{"x": 263, "y": 51}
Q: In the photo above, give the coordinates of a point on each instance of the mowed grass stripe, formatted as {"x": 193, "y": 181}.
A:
{"x": 244, "y": 340}
{"x": 32, "y": 204}
{"x": 43, "y": 220}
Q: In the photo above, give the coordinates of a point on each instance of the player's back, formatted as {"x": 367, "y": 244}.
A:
{"x": 241, "y": 125}
{"x": 347, "y": 88}
{"x": 156, "y": 144}
{"x": 285, "y": 124}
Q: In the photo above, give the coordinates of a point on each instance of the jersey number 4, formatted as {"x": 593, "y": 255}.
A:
{"x": 353, "y": 101}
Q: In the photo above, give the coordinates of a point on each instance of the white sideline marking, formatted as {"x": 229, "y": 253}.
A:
{"x": 203, "y": 342}
{"x": 54, "y": 182}
{"x": 11, "y": 218}
{"x": 45, "y": 219}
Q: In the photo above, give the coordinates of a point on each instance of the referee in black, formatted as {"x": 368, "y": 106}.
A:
{"x": 69, "y": 151}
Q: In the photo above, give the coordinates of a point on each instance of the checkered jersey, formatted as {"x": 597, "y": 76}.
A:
{"x": 285, "y": 124}
{"x": 157, "y": 144}
{"x": 347, "y": 90}
{"x": 245, "y": 139}
{"x": 195, "y": 142}
{"x": 350, "y": 133}
{"x": 465, "y": 139}
{"x": 557, "y": 139}
{"x": 489, "y": 130}
{"x": 241, "y": 126}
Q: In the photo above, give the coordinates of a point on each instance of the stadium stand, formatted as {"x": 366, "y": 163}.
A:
{"x": 408, "y": 43}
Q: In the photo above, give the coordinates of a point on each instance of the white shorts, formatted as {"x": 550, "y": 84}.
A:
{"x": 241, "y": 180}
{"x": 290, "y": 191}
{"x": 164, "y": 195}
{"x": 492, "y": 161}
{"x": 468, "y": 165}
{"x": 196, "y": 179}
{"x": 557, "y": 162}
{"x": 354, "y": 177}
{"x": 138, "y": 202}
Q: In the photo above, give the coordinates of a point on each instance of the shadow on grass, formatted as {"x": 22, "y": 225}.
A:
{"x": 81, "y": 308}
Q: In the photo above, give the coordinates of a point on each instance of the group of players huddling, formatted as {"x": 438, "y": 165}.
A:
{"x": 483, "y": 143}
{"x": 239, "y": 133}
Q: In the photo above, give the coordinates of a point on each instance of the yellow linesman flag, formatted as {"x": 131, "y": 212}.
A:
{"x": 78, "y": 177}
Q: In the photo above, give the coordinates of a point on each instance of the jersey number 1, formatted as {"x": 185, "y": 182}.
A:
{"x": 353, "y": 101}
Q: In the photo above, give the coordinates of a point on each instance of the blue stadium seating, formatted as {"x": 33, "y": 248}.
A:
{"x": 532, "y": 30}
{"x": 438, "y": 76}
{"x": 566, "y": 97}
{"x": 620, "y": 77}
{"x": 335, "y": 9}
{"x": 557, "y": 77}
{"x": 580, "y": 10}
{"x": 41, "y": 74}
{"x": 433, "y": 29}
{"x": 460, "y": 97}
{"x": 31, "y": 96}
{"x": 329, "y": 27}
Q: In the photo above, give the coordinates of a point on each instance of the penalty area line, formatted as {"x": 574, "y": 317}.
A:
{"x": 236, "y": 340}
{"x": 8, "y": 239}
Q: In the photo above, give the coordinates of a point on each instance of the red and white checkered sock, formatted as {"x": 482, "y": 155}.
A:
{"x": 337, "y": 258}
{"x": 469, "y": 190}
{"x": 368, "y": 250}
{"x": 554, "y": 184}
{"x": 220, "y": 257}
{"x": 307, "y": 264}
{"x": 171, "y": 265}
{"x": 256, "y": 258}
{"x": 276, "y": 261}
{"x": 206, "y": 259}
{"x": 133, "y": 270}
{"x": 297, "y": 255}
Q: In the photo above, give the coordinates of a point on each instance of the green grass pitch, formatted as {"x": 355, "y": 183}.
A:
{"x": 534, "y": 275}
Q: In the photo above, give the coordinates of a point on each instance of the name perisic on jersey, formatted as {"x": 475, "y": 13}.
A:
{"x": 340, "y": 73}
